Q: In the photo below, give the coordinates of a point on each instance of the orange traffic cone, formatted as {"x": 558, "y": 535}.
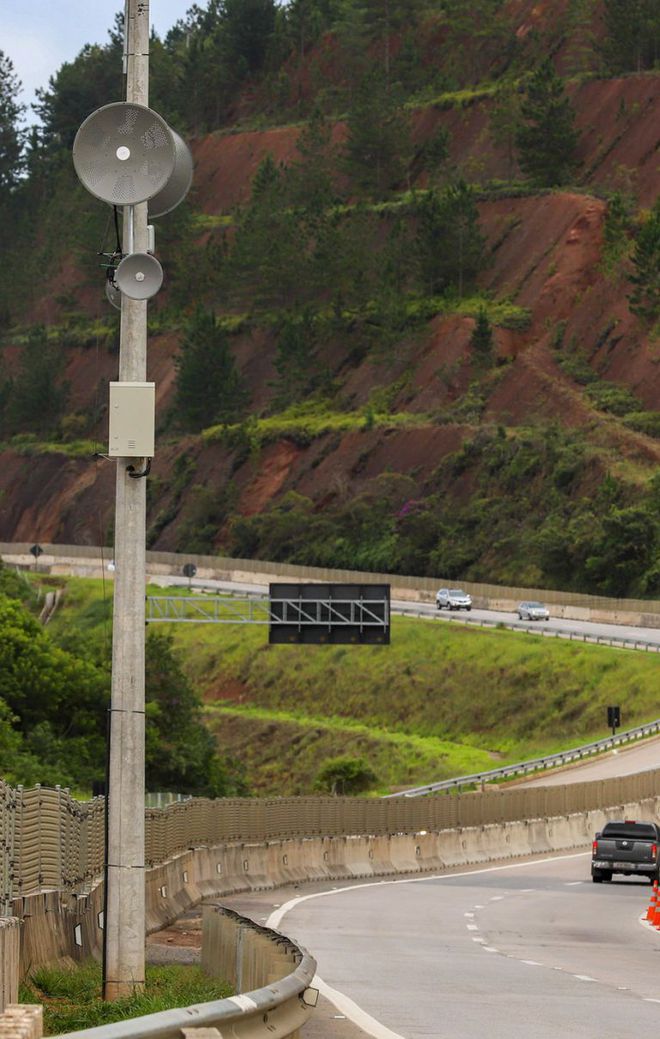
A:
{"x": 653, "y": 904}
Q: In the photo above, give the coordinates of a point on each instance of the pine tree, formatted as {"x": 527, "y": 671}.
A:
{"x": 11, "y": 145}
{"x": 268, "y": 259}
{"x": 296, "y": 343}
{"x": 478, "y": 35}
{"x": 309, "y": 181}
{"x": 616, "y": 232}
{"x": 209, "y": 388}
{"x": 547, "y": 139}
{"x": 449, "y": 242}
{"x": 38, "y": 396}
{"x": 645, "y": 297}
{"x": 378, "y": 145}
{"x": 482, "y": 342}
{"x": 632, "y": 35}
{"x": 434, "y": 155}
{"x": 298, "y": 27}
{"x": 504, "y": 122}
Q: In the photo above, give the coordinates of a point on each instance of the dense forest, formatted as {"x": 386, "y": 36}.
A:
{"x": 344, "y": 310}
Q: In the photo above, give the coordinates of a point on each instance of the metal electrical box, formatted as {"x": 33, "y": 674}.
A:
{"x": 132, "y": 419}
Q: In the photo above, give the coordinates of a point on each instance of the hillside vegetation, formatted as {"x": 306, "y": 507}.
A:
{"x": 411, "y": 314}
{"x": 55, "y": 694}
{"x": 442, "y": 700}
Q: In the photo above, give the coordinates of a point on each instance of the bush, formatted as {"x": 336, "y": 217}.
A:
{"x": 616, "y": 399}
{"x": 344, "y": 775}
{"x": 644, "y": 422}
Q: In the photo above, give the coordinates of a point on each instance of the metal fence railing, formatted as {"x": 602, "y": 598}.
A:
{"x": 50, "y": 840}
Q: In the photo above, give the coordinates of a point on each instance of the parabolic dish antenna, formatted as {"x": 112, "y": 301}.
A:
{"x": 178, "y": 185}
{"x": 124, "y": 153}
{"x": 139, "y": 276}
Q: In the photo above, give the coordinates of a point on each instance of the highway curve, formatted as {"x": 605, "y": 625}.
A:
{"x": 623, "y": 761}
{"x": 525, "y": 950}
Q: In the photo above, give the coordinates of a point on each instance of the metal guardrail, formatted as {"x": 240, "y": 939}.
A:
{"x": 615, "y": 641}
{"x": 278, "y": 1009}
{"x": 534, "y": 765}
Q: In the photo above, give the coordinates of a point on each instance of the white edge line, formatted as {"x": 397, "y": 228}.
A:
{"x": 355, "y": 1013}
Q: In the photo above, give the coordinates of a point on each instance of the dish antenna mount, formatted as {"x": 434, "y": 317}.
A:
{"x": 125, "y": 154}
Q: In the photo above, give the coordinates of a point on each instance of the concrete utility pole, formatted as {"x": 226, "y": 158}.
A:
{"x": 124, "y": 918}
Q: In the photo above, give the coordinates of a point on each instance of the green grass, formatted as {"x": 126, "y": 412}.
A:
{"x": 72, "y": 998}
{"x": 285, "y": 748}
{"x": 305, "y": 424}
{"x": 27, "y": 444}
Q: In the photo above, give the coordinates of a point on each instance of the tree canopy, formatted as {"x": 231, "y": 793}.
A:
{"x": 547, "y": 138}
{"x": 11, "y": 144}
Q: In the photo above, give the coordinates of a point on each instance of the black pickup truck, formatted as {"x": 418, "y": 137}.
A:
{"x": 626, "y": 847}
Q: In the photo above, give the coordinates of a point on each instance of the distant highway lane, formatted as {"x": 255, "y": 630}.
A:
{"x": 527, "y": 950}
{"x": 622, "y": 761}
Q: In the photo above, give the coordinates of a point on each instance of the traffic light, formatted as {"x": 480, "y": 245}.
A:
{"x": 614, "y": 718}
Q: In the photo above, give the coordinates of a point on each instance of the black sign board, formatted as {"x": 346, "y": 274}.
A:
{"x": 614, "y": 718}
{"x": 189, "y": 570}
{"x": 36, "y": 551}
{"x": 331, "y": 614}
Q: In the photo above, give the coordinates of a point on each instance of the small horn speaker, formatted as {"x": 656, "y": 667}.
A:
{"x": 178, "y": 185}
{"x": 139, "y": 276}
{"x": 112, "y": 294}
{"x": 124, "y": 153}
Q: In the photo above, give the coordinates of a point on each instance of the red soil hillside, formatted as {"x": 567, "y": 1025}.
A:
{"x": 546, "y": 254}
{"x": 618, "y": 119}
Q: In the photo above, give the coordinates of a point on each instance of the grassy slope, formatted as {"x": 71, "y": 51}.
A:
{"x": 440, "y": 701}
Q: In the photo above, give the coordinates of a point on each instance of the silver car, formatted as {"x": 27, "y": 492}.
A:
{"x": 453, "y": 599}
{"x": 533, "y": 611}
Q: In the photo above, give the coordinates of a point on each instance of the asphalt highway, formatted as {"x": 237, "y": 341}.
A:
{"x": 524, "y": 950}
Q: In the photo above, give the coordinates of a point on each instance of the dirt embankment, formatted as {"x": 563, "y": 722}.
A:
{"x": 545, "y": 255}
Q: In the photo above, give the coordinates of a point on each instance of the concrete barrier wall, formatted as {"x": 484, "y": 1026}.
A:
{"x": 54, "y": 930}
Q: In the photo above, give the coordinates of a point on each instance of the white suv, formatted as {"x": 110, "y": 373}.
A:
{"x": 453, "y": 599}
